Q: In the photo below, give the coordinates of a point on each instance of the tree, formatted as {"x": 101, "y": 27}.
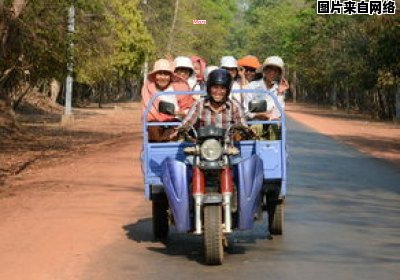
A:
{"x": 209, "y": 41}
{"x": 114, "y": 44}
{"x": 111, "y": 42}
{"x": 345, "y": 61}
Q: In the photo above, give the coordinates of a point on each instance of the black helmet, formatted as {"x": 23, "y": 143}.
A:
{"x": 219, "y": 77}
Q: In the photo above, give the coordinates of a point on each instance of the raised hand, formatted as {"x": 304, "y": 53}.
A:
{"x": 283, "y": 86}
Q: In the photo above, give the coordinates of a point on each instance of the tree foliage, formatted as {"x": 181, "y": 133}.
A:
{"x": 209, "y": 40}
{"x": 346, "y": 61}
{"x": 111, "y": 41}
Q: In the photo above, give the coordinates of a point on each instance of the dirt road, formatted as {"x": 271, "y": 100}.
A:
{"x": 53, "y": 219}
{"x": 378, "y": 139}
{"x": 86, "y": 218}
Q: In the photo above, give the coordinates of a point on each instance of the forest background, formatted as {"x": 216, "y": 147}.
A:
{"x": 347, "y": 62}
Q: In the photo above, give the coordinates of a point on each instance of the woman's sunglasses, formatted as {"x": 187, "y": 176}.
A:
{"x": 249, "y": 69}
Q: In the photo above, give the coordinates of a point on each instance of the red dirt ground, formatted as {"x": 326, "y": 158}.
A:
{"x": 378, "y": 139}
{"x": 83, "y": 182}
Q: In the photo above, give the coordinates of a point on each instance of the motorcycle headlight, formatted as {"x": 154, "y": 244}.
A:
{"x": 211, "y": 150}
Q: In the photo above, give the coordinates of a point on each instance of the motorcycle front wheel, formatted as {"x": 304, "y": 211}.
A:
{"x": 213, "y": 237}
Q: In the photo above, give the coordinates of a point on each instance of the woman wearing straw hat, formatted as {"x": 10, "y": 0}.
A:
{"x": 229, "y": 63}
{"x": 162, "y": 78}
{"x": 185, "y": 70}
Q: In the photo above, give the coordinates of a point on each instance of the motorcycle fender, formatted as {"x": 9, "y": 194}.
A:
{"x": 251, "y": 178}
{"x": 215, "y": 198}
{"x": 175, "y": 179}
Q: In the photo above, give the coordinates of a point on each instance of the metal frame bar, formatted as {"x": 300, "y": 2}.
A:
{"x": 282, "y": 121}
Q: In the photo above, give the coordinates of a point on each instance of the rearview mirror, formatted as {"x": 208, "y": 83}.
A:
{"x": 258, "y": 106}
{"x": 166, "y": 108}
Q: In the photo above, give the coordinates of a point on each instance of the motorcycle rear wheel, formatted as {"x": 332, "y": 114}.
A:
{"x": 213, "y": 243}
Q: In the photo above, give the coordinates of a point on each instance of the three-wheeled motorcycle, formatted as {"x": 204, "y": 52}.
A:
{"x": 209, "y": 184}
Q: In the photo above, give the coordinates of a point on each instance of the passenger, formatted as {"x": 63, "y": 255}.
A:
{"x": 274, "y": 82}
{"x": 185, "y": 70}
{"x": 199, "y": 65}
{"x": 208, "y": 70}
{"x": 259, "y": 74}
{"x": 229, "y": 63}
{"x": 250, "y": 65}
{"x": 162, "y": 78}
{"x": 217, "y": 108}
{"x": 202, "y": 87}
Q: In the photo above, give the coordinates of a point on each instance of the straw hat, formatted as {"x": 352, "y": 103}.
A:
{"x": 161, "y": 65}
{"x": 229, "y": 62}
{"x": 183, "y": 62}
{"x": 274, "y": 61}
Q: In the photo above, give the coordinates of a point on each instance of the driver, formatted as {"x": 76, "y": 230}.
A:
{"x": 216, "y": 108}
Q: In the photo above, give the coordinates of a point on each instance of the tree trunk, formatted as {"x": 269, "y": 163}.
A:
{"x": 375, "y": 105}
{"x": 5, "y": 29}
{"x": 101, "y": 95}
{"x": 397, "y": 115}
{"x": 334, "y": 97}
{"x": 130, "y": 88}
{"x": 346, "y": 98}
{"x": 19, "y": 99}
{"x": 118, "y": 90}
{"x": 16, "y": 9}
{"x": 171, "y": 32}
{"x": 294, "y": 86}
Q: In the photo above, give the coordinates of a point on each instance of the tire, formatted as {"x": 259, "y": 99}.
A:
{"x": 276, "y": 219}
{"x": 213, "y": 247}
{"x": 160, "y": 216}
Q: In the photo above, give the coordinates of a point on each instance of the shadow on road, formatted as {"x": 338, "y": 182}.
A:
{"x": 189, "y": 245}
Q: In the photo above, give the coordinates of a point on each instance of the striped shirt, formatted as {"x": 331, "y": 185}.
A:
{"x": 202, "y": 114}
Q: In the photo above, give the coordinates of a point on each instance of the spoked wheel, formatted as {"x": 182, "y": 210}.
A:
{"x": 276, "y": 218}
{"x": 213, "y": 243}
{"x": 160, "y": 216}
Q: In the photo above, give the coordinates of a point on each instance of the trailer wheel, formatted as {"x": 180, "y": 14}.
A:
{"x": 276, "y": 218}
{"x": 160, "y": 216}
